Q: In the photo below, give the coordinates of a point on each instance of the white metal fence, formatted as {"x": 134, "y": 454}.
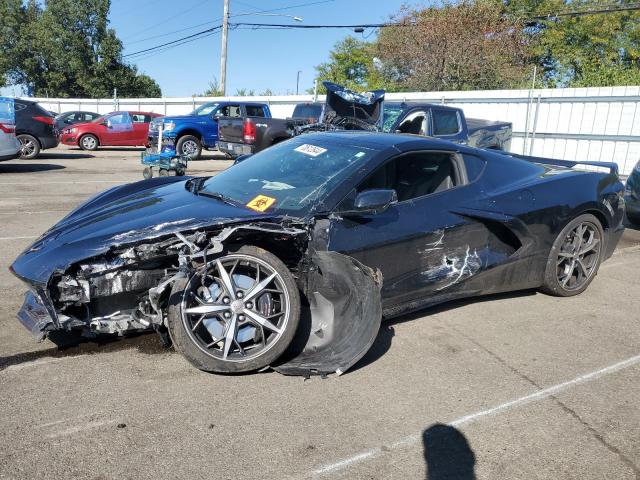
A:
{"x": 597, "y": 124}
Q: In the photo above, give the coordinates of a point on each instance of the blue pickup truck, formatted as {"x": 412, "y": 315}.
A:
{"x": 189, "y": 134}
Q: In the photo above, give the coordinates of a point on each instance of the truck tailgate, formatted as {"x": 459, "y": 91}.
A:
{"x": 230, "y": 130}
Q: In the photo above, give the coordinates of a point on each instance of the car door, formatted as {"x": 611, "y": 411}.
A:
{"x": 423, "y": 249}
{"x": 140, "y": 122}
{"x": 117, "y": 129}
{"x": 233, "y": 110}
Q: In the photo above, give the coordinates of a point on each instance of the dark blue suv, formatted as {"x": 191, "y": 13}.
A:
{"x": 189, "y": 134}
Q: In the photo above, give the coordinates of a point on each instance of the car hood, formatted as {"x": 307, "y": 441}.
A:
{"x": 365, "y": 107}
{"x": 123, "y": 215}
{"x": 180, "y": 118}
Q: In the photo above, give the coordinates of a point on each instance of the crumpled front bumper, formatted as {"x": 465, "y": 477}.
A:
{"x": 34, "y": 314}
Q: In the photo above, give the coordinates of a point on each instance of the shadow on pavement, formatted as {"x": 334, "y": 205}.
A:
{"x": 447, "y": 454}
{"x": 383, "y": 341}
{"x": 63, "y": 156}
{"x": 148, "y": 343}
{"x": 28, "y": 167}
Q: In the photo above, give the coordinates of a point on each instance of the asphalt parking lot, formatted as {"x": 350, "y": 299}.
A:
{"x": 517, "y": 386}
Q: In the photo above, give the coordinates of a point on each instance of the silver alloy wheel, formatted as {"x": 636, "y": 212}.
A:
{"x": 88, "y": 142}
{"x": 578, "y": 256}
{"x": 28, "y": 146}
{"x": 236, "y": 309}
{"x": 189, "y": 148}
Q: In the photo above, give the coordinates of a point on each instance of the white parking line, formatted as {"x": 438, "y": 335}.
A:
{"x": 22, "y": 212}
{"x": 539, "y": 395}
{"x": 67, "y": 183}
{"x": 18, "y": 238}
{"x": 81, "y": 428}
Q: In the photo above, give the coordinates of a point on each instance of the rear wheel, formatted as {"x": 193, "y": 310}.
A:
{"x": 189, "y": 146}
{"x": 29, "y": 146}
{"x": 575, "y": 257}
{"x": 238, "y": 315}
{"x": 88, "y": 142}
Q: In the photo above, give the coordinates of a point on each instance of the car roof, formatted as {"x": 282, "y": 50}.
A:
{"x": 134, "y": 112}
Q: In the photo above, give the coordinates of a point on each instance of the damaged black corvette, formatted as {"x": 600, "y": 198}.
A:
{"x": 291, "y": 258}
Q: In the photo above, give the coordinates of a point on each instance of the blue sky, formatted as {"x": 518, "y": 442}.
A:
{"x": 257, "y": 59}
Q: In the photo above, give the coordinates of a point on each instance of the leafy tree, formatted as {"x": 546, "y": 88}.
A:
{"x": 214, "y": 89}
{"x": 454, "y": 46}
{"x": 66, "y": 49}
{"x": 582, "y": 50}
{"x": 351, "y": 63}
{"x": 244, "y": 92}
{"x": 266, "y": 93}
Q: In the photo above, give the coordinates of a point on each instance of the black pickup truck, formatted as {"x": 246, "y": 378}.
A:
{"x": 348, "y": 110}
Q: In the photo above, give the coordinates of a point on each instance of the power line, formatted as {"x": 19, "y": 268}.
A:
{"x": 198, "y": 34}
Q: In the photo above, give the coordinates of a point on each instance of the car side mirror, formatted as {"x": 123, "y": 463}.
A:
{"x": 67, "y": 121}
{"x": 374, "y": 201}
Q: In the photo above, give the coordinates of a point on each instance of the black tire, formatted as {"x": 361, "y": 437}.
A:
{"x": 189, "y": 146}
{"x": 559, "y": 257}
{"x": 185, "y": 344}
{"x": 88, "y": 142}
{"x": 163, "y": 172}
{"x": 147, "y": 173}
{"x": 30, "y": 146}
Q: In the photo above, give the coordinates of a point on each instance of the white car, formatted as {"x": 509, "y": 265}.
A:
{"x": 9, "y": 145}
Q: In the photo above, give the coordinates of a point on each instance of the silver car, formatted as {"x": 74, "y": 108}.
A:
{"x": 9, "y": 144}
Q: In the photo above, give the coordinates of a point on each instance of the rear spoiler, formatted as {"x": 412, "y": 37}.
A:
{"x": 613, "y": 167}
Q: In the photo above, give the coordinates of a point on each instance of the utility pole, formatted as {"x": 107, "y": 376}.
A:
{"x": 223, "y": 50}
{"x": 298, "y": 81}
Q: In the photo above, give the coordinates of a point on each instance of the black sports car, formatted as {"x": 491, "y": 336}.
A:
{"x": 292, "y": 257}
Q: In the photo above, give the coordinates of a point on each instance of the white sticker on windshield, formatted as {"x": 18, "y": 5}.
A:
{"x": 311, "y": 150}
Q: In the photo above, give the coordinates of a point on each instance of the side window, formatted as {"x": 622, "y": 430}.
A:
{"x": 414, "y": 175}
{"x": 255, "y": 111}
{"x": 229, "y": 111}
{"x": 474, "y": 166}
{"x": 138, "y": 118}
{"x": 445, "y": 122}
{"x": 415, "y": 123}
{"x": 89, "y": 117}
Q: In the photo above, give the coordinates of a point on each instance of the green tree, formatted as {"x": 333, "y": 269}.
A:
{"x": 351, "y": 63}
{"x": 582, "y": 50}
{"x": 213, "y": 90}
{"x": 65, "y": 49}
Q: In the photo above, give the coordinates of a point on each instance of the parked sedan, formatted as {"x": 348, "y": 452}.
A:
{"x": 311, "y": 242}
{"x": 67, "y": 119}
{"x": 113, "y": 129}
{"x": 35, "y": 128}
{"x": 632, "y": 195}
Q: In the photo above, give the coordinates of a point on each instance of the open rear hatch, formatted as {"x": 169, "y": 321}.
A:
{"x": 351, "y": 110}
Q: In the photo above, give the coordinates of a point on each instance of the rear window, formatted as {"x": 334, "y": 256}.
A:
{"x": 445, "y": 122}
{"x": 255, "y": 111}
{"x": 307, "y": 111}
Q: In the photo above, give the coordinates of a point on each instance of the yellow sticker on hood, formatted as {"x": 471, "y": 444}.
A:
{"x": 261, "y": 203}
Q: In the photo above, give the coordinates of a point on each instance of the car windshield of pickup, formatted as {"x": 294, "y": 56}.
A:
{"x": 390, "y": 114}
{"x": 204, "y": 110}
{"x": 290, "y": 177}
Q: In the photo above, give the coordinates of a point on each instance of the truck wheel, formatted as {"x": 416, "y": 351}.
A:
{"x": 189, "y": 146}
{"x": 147, "y": 173}
{"x": 240, "y": 315}
{"x": 30, "y": 146}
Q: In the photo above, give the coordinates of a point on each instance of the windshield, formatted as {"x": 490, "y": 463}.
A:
{"x": 290, "y": 177}
{"x": 390, "y": 115}
{"x": 205, "y": 109}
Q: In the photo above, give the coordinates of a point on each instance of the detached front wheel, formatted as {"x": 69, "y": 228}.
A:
{"x": 238, "y": 314}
